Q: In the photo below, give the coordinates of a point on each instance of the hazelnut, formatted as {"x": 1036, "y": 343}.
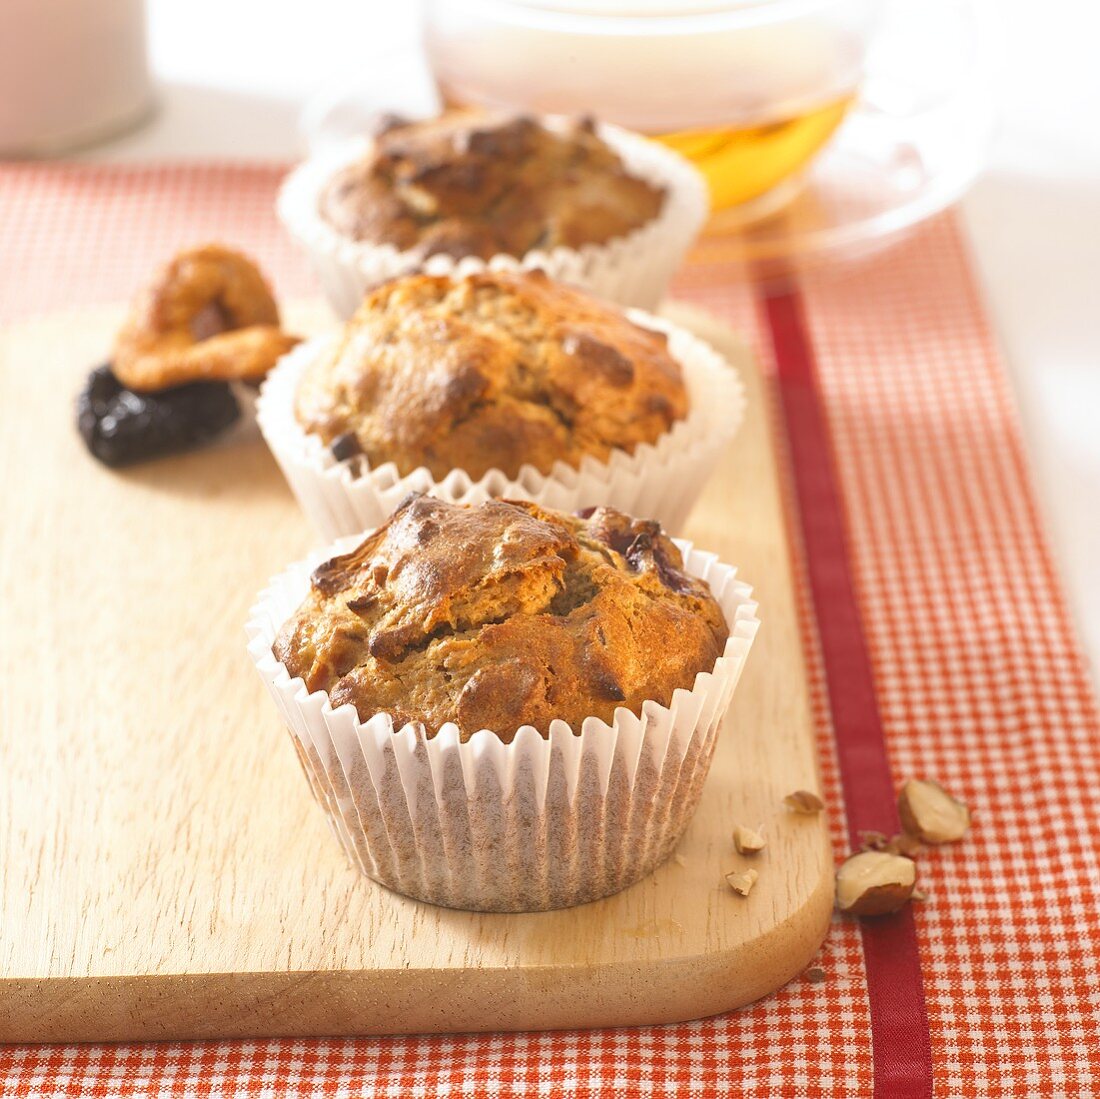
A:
{"x": 872, "y": 883}
{"x": 747, "y": 841}
{"x": 930, "y": 813}
{"x": 802, "y": 801}
{"x": 742, "y": 881}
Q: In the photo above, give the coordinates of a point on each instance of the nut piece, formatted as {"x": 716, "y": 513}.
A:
{"x": 815, "y": 975}
{"x": 747, "y": 841}
{"x": 870, "y": 840}
{"x": 873, "y": 883}
{"x": 900, "y": 844}
{"x": 802, "y": 801}
{"x": 904, "y": 844}
{"x": 742, "y": 881}
{"x": 930, "y": 813}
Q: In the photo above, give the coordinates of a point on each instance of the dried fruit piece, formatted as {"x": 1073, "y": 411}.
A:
{"x": 385, "y": 121}
{"x": 802, "y": 801}
{"x": 930, "y": 813}
{"x": 872, "y": 883}
{"x": 742, "y": 881}
{"x": 206, "y": 315}
{"x": 747, "y": 841}
{"x": 121, "y": 427}
{"x": 345, "y": 446}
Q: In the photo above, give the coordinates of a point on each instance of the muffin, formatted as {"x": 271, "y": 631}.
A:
{"x": 503, "y": 707}
{"x": 477, "y": 184}
{"x": 503, "y": 615}
{"x": 591, "y": 204}
{"x": 498, "y": 383}
{"x": 497, "y": 370}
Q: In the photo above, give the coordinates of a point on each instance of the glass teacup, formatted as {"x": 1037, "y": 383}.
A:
{"x": 749, "y": 91}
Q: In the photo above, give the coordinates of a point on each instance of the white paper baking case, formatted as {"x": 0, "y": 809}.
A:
{"x": 541, "y": 822}
{"x": 657, "y": 481}
{"x": 633, "y": 269}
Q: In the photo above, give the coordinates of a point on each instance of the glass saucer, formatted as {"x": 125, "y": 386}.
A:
{"x": 911, "y": 146}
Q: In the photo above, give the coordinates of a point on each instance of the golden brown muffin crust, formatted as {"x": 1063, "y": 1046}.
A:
{"x": 502, "y": 615}
{"x": 496, "y": 370}
{"x": 476, "y": 184}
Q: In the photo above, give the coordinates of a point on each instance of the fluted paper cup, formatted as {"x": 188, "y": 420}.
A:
{"x": 633, "y": 269}
{"x": 538, "y": 823}
{"x": 656, "y": 481}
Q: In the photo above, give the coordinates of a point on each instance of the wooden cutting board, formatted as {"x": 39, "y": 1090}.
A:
{"x": 165, "y": 872}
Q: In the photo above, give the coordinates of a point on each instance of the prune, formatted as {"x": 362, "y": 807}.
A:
{"x": 121, "y": 427}
{"x": 385, "y": 121}
{"x": 345, "y": 446}
{"x": 639, "y": 541}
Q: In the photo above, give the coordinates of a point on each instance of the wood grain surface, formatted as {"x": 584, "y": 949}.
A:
{"x": 165, "y": 873}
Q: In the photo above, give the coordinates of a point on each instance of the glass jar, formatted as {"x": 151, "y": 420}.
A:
{"x": 72, "y": 72}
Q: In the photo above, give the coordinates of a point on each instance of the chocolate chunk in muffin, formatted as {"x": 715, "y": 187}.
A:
{"x": 502, "y": 615}
{"x": 477, "y": 184}
{"x": 495, "y": 370}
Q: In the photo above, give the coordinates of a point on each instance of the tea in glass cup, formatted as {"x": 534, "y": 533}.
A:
{"x": 749, "y": 91}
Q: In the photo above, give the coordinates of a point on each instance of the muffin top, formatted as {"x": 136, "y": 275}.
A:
{"x": 502, "y": 615}
{"x": 494, "y": 370}
{"x": 477, "y": 184}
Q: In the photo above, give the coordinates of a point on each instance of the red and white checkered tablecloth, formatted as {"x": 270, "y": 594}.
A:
{"x": 939, "y": 642}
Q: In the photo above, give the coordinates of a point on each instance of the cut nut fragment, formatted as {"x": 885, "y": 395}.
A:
{"x": 802, "y": 801}
{"x": 815, "y": 975}
{"x": 904, "y": 844}
{"x": 930, "y": 813}
{"x": 870, "y": 840}
{"x": 747, "y": 841}
{"x": 900, "y": 844}
{"x": 742, "y": 881}
{"x": 918, "y": 894}
{"x": 873, "y": 883}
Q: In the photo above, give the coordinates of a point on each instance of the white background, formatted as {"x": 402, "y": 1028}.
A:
{"x": 233, "y": 77}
